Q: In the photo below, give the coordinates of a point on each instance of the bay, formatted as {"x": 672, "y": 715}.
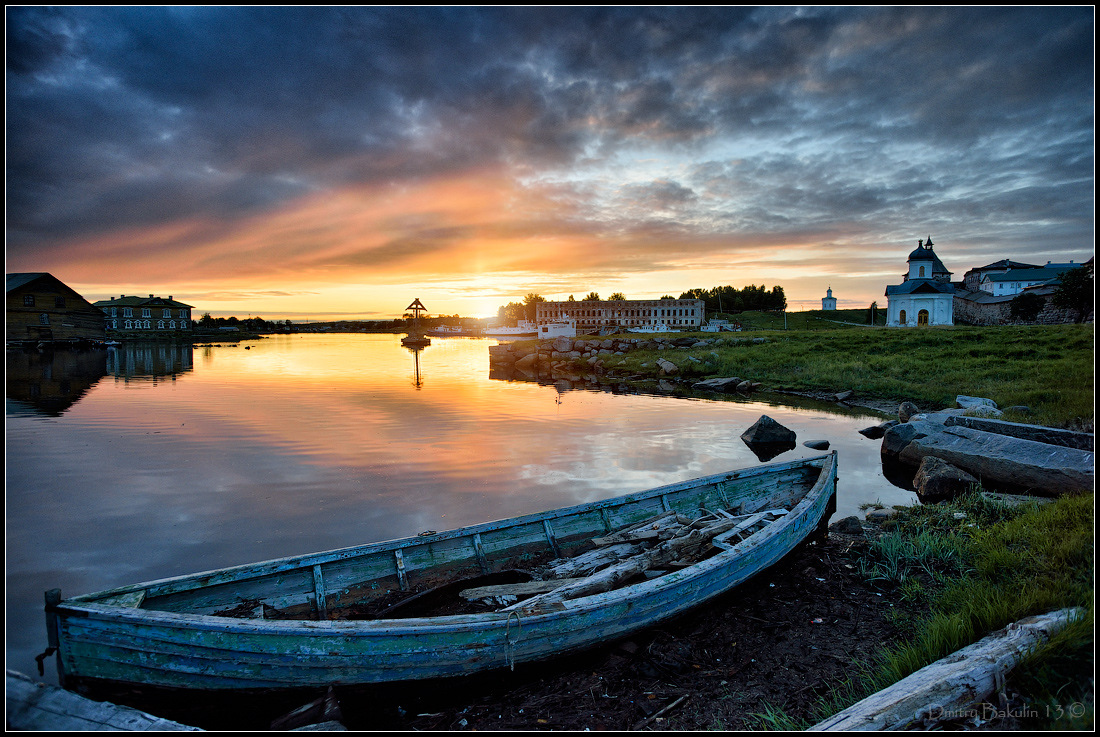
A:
{"x": 145, "y": 461}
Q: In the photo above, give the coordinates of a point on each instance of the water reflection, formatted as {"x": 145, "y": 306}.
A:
{"x": 50, "y": 380}
{"x": 415, "y": 350}
{"x": 149, "y": 361}
{"x": 302, "y": 443}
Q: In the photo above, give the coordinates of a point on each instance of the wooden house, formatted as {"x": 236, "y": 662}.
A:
{"x": 41, "y": 308}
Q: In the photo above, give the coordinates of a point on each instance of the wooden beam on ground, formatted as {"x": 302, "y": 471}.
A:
{"x": 37, "y": 706}
{"x": 947, "y": 688}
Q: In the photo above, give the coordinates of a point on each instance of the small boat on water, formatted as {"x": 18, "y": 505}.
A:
{"x": 451, "y": 603}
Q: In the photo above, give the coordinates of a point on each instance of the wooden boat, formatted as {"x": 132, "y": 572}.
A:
{"x": 358, "y": 615}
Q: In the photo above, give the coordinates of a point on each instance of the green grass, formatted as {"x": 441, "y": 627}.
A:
{"x": 993, "y": 564}
{"x": 1048, "y": 368}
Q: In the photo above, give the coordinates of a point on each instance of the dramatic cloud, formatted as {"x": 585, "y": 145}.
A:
{"x": 284, "y": 152}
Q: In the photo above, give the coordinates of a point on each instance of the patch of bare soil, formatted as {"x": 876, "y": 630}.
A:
{"x": 783, "y": 639}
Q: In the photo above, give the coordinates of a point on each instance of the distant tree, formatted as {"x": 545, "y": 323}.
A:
{"x": 667, "y": 296}
{"x": 206, "y": 321}
{"x": 511, "y": 312}
{"x": 530, "y": 305}
{"x": 592, "y": 297}
{"x": 571, "y": 299}
{"x": 871, "y": 313}
{"x": 617, "y": 296}
{"x": 1075, "y": 290}
{"x": 1026, "y": 306}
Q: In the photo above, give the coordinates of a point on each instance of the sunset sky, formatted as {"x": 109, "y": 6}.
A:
{"x": 335, "y": 163}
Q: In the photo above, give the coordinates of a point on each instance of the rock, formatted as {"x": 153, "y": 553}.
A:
{"x": 767, "y": 430}
{"x": 907, "y": 410}
{"x": 966, "y": 402}
{"x": 1020, "y": 408}
{"x": 759, "y": 340}
{"x": 562, "y": 344}
{"x": 982, "y": 410}
{"x": 527, "y": 361}
{"x": 877, "y": 431}
{"x": 744, "y": 386}
{"x": 666, "y": 386}
{"x": 726, "y": 384}
{"x": 1038, "y": 433}
{"x": 817, "y": 444}
{"x": 1005, "y": 460}
{"x": 898, "y": 437}
{"x": 847, "y": 526}
{"x": 937, "y": 480}
{"x": 880, "y": 515}
{"x": 668, "y": 368}
{"x": 842, "y": 396}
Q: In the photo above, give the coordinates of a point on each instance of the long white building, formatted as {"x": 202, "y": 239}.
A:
{"x": 677, "y": 314}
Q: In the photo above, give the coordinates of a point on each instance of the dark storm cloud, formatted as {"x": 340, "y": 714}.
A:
{"x": 123, "y": 117}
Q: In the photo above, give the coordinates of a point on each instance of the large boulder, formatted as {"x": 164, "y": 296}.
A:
{"x": 767, "y": 430}
{"x": 937, "y": 480}
{"x": 1038, "y": 433}
{"x": 1004, "y": 460}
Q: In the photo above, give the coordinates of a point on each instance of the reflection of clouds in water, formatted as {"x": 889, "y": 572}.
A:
{"x": 232, "y": 467}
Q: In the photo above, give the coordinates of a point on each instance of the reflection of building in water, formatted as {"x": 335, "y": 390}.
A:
{"x": 149, "y": 361}
{"x": 48, "y": 382}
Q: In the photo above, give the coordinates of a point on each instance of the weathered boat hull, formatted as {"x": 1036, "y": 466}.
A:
{"x": 177, "y": 641}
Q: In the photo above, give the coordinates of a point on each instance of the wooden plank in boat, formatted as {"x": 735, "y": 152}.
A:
{"x": 515, "y": 589}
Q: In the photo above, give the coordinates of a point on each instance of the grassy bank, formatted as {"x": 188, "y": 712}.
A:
{"x": 1048, "y": 369}
{"x": 959, "y": 571}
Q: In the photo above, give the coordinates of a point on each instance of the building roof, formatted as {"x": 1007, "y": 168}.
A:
{"x": 1005, "y": 263}
{"x": 925, "y": 253}
{"x": 983, "y": 298}
{"x": 1040, "y": 274}
{"x": 132, "y": 301}
{"x": 22, "y": 278}
{"x": 920, "y": 286}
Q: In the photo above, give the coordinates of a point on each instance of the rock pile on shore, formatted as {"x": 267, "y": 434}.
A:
{"x": 565, "y": 355}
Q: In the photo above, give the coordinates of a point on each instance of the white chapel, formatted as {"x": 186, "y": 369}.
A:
{"x": 925, "y": 296}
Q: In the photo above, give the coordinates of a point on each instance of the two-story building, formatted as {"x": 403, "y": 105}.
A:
{"x": 41, "y": 308}
{"x": 593, "y": 315}
{"x": 1014, "y": 281}
{"x": 151, "y": 317}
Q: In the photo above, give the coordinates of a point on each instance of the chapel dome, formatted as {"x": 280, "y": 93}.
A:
{"x": 922, "y": 253}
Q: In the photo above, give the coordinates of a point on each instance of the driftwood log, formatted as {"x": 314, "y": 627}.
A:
{"x": 945, "y": 689}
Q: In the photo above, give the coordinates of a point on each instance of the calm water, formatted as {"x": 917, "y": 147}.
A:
{"x": 141, "y": 462}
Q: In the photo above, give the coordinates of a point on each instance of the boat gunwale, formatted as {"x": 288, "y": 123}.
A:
{"x": 77, "y": 606}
